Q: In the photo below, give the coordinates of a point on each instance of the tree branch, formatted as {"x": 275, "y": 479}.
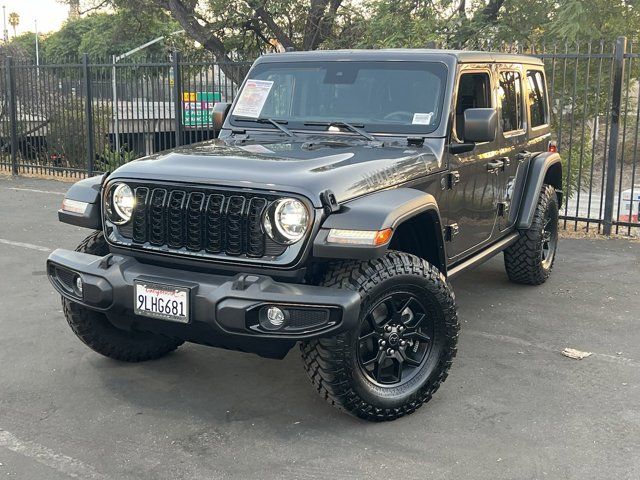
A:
{"x": 276, "y": 30}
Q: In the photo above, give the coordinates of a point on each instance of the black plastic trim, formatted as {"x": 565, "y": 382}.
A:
{"x": 538, "y": 168}
{"x": 217, "y": 300}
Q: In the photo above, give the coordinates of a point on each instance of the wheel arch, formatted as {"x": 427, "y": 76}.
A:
{"x": 544, "y": 168}
{"x": 421, "y": 235}
{"x": 86, "y": 191}
{"x": 413, "y": 215}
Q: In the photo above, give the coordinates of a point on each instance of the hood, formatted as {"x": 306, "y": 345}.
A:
{"x": 349, "y": 169}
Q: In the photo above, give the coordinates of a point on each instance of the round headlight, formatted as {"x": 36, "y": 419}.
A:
{"x": 123, "y": 202}
{"x": 286, "y": 221}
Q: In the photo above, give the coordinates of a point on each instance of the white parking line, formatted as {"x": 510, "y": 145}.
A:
{"x": 619, "y": 359}
{"x": 25, "y": 245}
{"x": 62, "y": 463}
{"x": 35, "y": 190}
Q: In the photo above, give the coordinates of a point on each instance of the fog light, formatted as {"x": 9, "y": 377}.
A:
{"x": 272, "y": 318}
{"x": 275, "y": 316}
{"x": 79, "y": 285}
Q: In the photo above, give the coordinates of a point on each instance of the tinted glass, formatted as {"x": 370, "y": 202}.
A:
{"x": 474, "y": 91}
{"x": 394, "y": 97}
{"x": 537, "y": 98}
{"x": 510, "y": 94}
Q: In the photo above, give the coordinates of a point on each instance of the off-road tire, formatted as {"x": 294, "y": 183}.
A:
{"x": 331, "y": 363}
{"x": 95, "y": 330}
{"x": 524, "y": 259}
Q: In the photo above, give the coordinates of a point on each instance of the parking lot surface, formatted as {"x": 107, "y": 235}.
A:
{"x": 512, "y": 408}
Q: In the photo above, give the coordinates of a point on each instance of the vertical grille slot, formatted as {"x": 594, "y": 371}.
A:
{"x": 176, "y": 219}
{"x": 235, "y": 225}
{"x": 255, "y": 237}
{"x": 214, "y": 232}
{"x": 140, "y": 215}
{"x": 157, "y": 216}
{"x": 194, "y": 221}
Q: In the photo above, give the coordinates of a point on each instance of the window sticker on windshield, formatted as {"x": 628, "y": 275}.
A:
{"x": 422, "y": 118}
{"x": 252, "y": 99}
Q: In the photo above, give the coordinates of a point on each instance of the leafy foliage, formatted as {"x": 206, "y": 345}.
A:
{"x": 102, "y": 35}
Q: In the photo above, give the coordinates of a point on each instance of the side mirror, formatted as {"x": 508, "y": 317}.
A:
{"x": 220, "y": 112}
{"x": 480, "y": 125}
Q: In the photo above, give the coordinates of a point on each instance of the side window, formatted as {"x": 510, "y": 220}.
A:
{"x": 510, "y": 94}
{"x": 537, "y": 98}
{"x": 474, "y": 91}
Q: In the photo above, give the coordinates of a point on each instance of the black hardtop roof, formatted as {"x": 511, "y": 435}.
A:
{"x": 407, "y": 54}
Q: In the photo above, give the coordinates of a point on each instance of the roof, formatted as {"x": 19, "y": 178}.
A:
{"x": 395, "y": 54}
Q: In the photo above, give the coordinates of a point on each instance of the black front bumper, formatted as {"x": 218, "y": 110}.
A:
{"x": 224, "y": 309}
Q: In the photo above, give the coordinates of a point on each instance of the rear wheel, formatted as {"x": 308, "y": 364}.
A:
{"x": 95, "y": 330}
{"x": 402, "y": 349}
{"x": 530, "y": 260}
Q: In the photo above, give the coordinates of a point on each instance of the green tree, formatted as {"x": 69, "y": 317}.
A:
{"x": 102, "y": 35}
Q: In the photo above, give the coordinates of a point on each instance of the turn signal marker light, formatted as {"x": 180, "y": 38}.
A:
{"x": 373, "y": 238}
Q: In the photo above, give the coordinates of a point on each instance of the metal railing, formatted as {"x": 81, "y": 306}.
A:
{"x": 82, "y": 118}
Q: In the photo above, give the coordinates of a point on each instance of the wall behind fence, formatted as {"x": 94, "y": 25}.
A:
{"x": 82, "y": 118}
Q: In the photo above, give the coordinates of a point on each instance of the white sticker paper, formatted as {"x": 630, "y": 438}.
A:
{"x": 422, "y": 118}
{"x": 252, "y": 99}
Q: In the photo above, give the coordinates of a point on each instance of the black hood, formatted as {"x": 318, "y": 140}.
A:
{"x": 349, "y": 169}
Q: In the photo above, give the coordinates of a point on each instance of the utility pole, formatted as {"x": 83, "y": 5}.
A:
{"x": 114, "y": 87}
{"x": 5, "y": 32}
{"x": 37, "y": 49}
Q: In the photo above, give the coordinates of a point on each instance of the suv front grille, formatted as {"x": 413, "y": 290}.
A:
{"x": 200, "y": 221}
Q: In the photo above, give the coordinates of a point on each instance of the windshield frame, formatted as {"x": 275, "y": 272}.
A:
{"x": 391, "y": 129}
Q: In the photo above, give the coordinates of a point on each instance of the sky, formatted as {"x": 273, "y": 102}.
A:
{"x": 49, "y": 14}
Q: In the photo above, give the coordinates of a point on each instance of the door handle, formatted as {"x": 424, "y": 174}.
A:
{"x": 495, "y": 166}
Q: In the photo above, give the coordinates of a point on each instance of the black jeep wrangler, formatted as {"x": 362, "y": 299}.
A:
{"x": 345, "y": 190}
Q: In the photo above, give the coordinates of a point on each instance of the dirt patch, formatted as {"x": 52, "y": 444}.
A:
{"x": 593, "y": 233}
{"x": 57, "y": 178}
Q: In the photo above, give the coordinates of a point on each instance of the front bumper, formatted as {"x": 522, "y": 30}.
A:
{"x": 224, "y": 309}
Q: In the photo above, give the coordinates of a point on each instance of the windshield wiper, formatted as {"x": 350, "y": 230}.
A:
{"x": 274, "y": 122}
{"x": 348, "y": 126}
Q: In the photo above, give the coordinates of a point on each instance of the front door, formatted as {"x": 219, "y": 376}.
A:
{"x": 471, "y": 205}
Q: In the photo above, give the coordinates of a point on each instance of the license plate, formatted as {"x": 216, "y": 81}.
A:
{"x": 161, "y": 301}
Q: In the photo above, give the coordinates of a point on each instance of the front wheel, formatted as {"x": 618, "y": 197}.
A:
{"x": 95, "y": 330}
{"x": 402, "y": 349}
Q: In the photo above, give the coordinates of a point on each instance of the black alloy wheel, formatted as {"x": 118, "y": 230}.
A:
{"x": 395, "y": 339}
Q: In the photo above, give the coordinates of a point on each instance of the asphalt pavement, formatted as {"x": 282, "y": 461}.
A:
{"x": 512, "y": 408}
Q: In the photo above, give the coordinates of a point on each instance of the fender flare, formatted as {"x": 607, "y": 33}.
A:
{"x": 378, "y": 211}
{"x": 540, "y": 166}
{"x": 87, "y": 191}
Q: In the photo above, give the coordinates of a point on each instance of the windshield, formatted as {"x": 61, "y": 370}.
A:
{"x": 381, "y": 97}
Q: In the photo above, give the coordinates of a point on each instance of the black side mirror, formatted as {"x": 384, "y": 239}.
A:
{"x": 480, "y": 125}
{"x": 220, "y": 112}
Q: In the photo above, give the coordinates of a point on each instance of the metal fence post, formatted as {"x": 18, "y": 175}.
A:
{"x": 13, "y": 112}
{"x": 612, "y": 158}
{"x": 177, "y": 96}
{"x": 88, "y": 112}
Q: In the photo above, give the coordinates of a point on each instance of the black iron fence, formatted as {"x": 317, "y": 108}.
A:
{"x": 83, "y": 118}
{"x": 88, "y": 117}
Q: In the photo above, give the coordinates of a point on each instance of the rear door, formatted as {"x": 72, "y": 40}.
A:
{"x": 513, "y": 131}
{"x": 471, "y": 202}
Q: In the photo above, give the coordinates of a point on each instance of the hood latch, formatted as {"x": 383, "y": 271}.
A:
{"x": 329, "y": 202}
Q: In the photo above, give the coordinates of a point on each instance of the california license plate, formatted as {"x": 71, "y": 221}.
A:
{"x": 161, "y": 301}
